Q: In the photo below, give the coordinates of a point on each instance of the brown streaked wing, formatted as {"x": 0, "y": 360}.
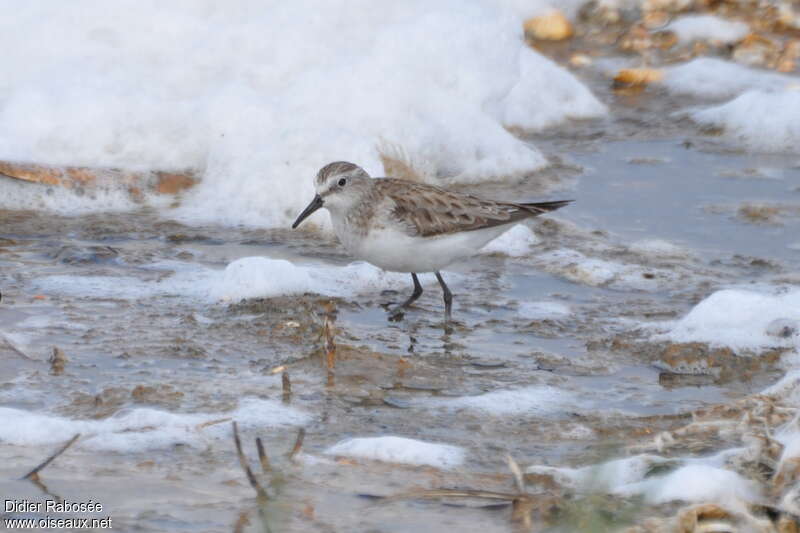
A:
{"x": 427, "y": 210}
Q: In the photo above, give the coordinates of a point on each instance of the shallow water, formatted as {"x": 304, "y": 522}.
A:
{"x": 102, "y": 288}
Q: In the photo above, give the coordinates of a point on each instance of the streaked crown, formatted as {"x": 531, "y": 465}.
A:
{"x": 340, "y": 168}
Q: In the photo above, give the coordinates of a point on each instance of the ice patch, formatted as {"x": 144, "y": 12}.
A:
{"x": 715, "y": 78}
{"x": 738, "y": 319}
{"x": 248, "y": 277}
{"x": 516, "y": 242}
{"x": 142, "y": 429}
{"x": 709, "y": 28}
{"x": 400, "y": 450}
{"x": 694, "y": 483}
{"x": 761, "y": 120}
{"x": 543, "y": 310}
{"x": 257, "y": 96}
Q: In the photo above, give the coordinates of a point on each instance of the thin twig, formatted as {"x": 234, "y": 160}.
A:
{"x": 262, "y": 494}
{"x": 286, "y": 385}
{"x": 451, "y": 493}
{"x": 519, "y": 480}
{"x": 262, "y": 456}
{"x": 298, "y": 443}
{"x": 34, "y": 474}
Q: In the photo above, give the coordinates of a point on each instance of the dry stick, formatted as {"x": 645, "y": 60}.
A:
{"x": 522, "y": 506}
{"x": 286, "y": 384}
{"x": 262, "y": 494}
{"x": 34, "y": 474}
{"x": 519, "y": 480}
{"x": 262, "y": 456}
{"x": 298, "y": 443}
{"x": 451, "y": 493}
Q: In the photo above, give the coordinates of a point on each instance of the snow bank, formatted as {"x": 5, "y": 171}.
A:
{"x": 741, "y": 320}
{"x": 400, "y": 450}
{"x": 516, "y": 242}
{"x": 142, "y": 429}
{"x": 707, "y": 77}
{"x": 258, "y": 95}
{"x": 761, "y": 120}
{"x": 709, "y": 28}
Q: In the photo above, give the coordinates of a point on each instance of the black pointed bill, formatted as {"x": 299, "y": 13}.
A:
{"x": 315, "y": 204}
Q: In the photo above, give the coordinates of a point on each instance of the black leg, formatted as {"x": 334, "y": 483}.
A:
{"x": 411, "y": 299}
{"x": 414, "y": 295}
{"x": 448, "y": 297}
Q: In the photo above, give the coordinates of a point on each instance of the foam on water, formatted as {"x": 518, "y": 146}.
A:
{"x": 257, "y": 96}
{"x": 248, "y": 277}
{"x": 742, "y": 320}
{"x": 707, "y": 77}
{"x": 539, "y": 400}
{"x": 694, "y": 483}
{"x": 709, "y": 28}
{"x": 393, "y": 449}
{"x": 142, "y": 429}
{"x": 758, "y": 119}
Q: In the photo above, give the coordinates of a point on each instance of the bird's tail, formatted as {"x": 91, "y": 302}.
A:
{"x": 544, "y": 207}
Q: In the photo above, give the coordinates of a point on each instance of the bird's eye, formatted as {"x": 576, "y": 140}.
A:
{"x": 342, "y": 182}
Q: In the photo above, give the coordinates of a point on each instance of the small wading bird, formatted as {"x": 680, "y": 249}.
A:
{"x": 404, "y": 226}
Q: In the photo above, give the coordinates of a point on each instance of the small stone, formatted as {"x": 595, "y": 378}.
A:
{"x": 637, "y": 77}
{"x": 552, "y": 26}
{"x": 580, "y": 60}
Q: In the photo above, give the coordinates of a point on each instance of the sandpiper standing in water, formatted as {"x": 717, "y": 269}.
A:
{"x": 404, "y": 226}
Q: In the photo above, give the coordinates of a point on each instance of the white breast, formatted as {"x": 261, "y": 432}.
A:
{"x": 396, "y": 251}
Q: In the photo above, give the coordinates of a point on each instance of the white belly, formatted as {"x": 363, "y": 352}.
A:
{"x": 398, "y": 252}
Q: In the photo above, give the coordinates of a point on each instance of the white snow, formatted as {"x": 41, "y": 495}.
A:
{"x": 758, "y": 119}
{"x": 258, "y": 95}
{"x": 709, "y": 28}
{"x": 393, "y": 449}
{"x": 707, "y": 77}
{"x": 544, "y": 310}
{"x": 141, "y": 429}
{"x": 739, "y": 319}
{"x": 516, "y": 242}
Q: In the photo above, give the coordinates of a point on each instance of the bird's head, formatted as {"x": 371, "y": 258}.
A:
{"x": 339, "y": 185}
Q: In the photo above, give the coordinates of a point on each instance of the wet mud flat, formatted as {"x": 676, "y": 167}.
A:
{"x": 553, "y": 359}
